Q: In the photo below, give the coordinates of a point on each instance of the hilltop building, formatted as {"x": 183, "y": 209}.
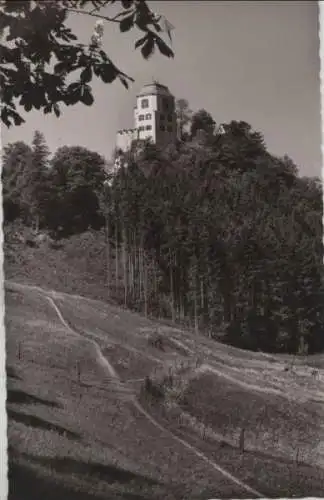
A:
{"x": 154, "y": 118}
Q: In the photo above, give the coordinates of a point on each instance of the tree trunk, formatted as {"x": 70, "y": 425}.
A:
{"x": 181, "y": 308}
{"x": 136, "y": 271}
{"x": 196, "y": 311}
{"x": 227, "y": 301}
{"x": 140, "y": 267}
{"x": 154, "y": 277}
{"x": 37, "y": 223}
{"x": 108, "y": 271}
{"x": 132, "y": 264}
{"x": 116, "y": 257}
{"x": 202, "y": 300}
{"x": 145, "y": 289}
{"x": 172, "y": 291}
{"x": 124, "y": 243}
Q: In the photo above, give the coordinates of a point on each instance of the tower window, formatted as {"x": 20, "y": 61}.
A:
{"x": 141, "y": 128}
{"x": 165, "y": 104}
{"x": 169, "y": 128}
{"x": 148, "y": 116}
{"x": 170, "y": 118}
{"x": 162, "y": 117}
{"x": 141, "y": 118}
{"x": 145, "y": 103}
{"x": 148, "y": 127}
{"x": 162, "y": 127}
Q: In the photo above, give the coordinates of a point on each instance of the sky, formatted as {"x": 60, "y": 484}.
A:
{"x": 246, "y": 60}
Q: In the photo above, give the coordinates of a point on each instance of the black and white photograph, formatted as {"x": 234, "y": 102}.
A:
{"x": 162, "y": 209}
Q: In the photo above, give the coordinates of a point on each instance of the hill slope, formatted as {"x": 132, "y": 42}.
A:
{"x": 75, "y": 265}
{"x": 102, "y": 401}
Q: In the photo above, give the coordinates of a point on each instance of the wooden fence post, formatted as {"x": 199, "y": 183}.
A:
{"x": 78, "y": 371}
{"x": 204, "y": 433}
{"x": 241, "y": 441}
{"x": 297, "y": 456}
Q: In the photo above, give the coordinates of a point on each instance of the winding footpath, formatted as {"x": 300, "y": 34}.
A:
{"x": 106, "y": 365}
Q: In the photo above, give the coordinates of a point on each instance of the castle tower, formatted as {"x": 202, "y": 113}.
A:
{"x": 154, "y": 114}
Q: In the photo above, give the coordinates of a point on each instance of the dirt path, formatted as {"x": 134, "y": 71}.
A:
{"x": 245, "y": 385}
{"x": 106, "y": 365}
{"x": 103, "y": 361}
{"x": 182, "y": 345}
{"x": 206, "y": 367}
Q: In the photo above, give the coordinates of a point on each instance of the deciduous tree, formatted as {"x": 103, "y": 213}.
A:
{"x": 44, "y": 65}
{"x": 77, "y": 178}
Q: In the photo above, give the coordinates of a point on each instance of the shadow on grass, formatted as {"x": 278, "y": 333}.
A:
{"x": 18, "y": 396}
{"x": 26, "y": 484}
{"x": 108, "y": 473}
{"x": 11, "y": 373}
{"x": 40, "y": 423}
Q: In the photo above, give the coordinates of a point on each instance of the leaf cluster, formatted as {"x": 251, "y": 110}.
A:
{"x": 43, "y": 65}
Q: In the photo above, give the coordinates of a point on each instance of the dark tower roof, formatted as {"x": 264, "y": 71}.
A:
{"x": 155, "y": 88}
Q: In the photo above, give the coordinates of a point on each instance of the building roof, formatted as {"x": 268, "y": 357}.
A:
{"x": 153, "y": 89}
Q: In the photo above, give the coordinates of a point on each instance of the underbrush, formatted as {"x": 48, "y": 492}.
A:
{"x": 168, "y": 384}
{"x": 78, "y": 265}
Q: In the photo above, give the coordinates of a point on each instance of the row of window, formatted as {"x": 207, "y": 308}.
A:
{"x": 165, "y": 103}
{"x": 149, "y": 127}
{"x": 168, "y": 128}
{"x": 169, "y": 117}
{"x": 148, "y": 116}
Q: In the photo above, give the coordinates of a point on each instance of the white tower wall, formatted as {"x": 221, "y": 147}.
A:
{"x": 154, "y": 118}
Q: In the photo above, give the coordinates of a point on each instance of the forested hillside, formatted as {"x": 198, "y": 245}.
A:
{"x": 213, "y": 231}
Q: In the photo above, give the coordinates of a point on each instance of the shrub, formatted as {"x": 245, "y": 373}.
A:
{"x": 156, "y": 340}
{"x": 152, "y": 389}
